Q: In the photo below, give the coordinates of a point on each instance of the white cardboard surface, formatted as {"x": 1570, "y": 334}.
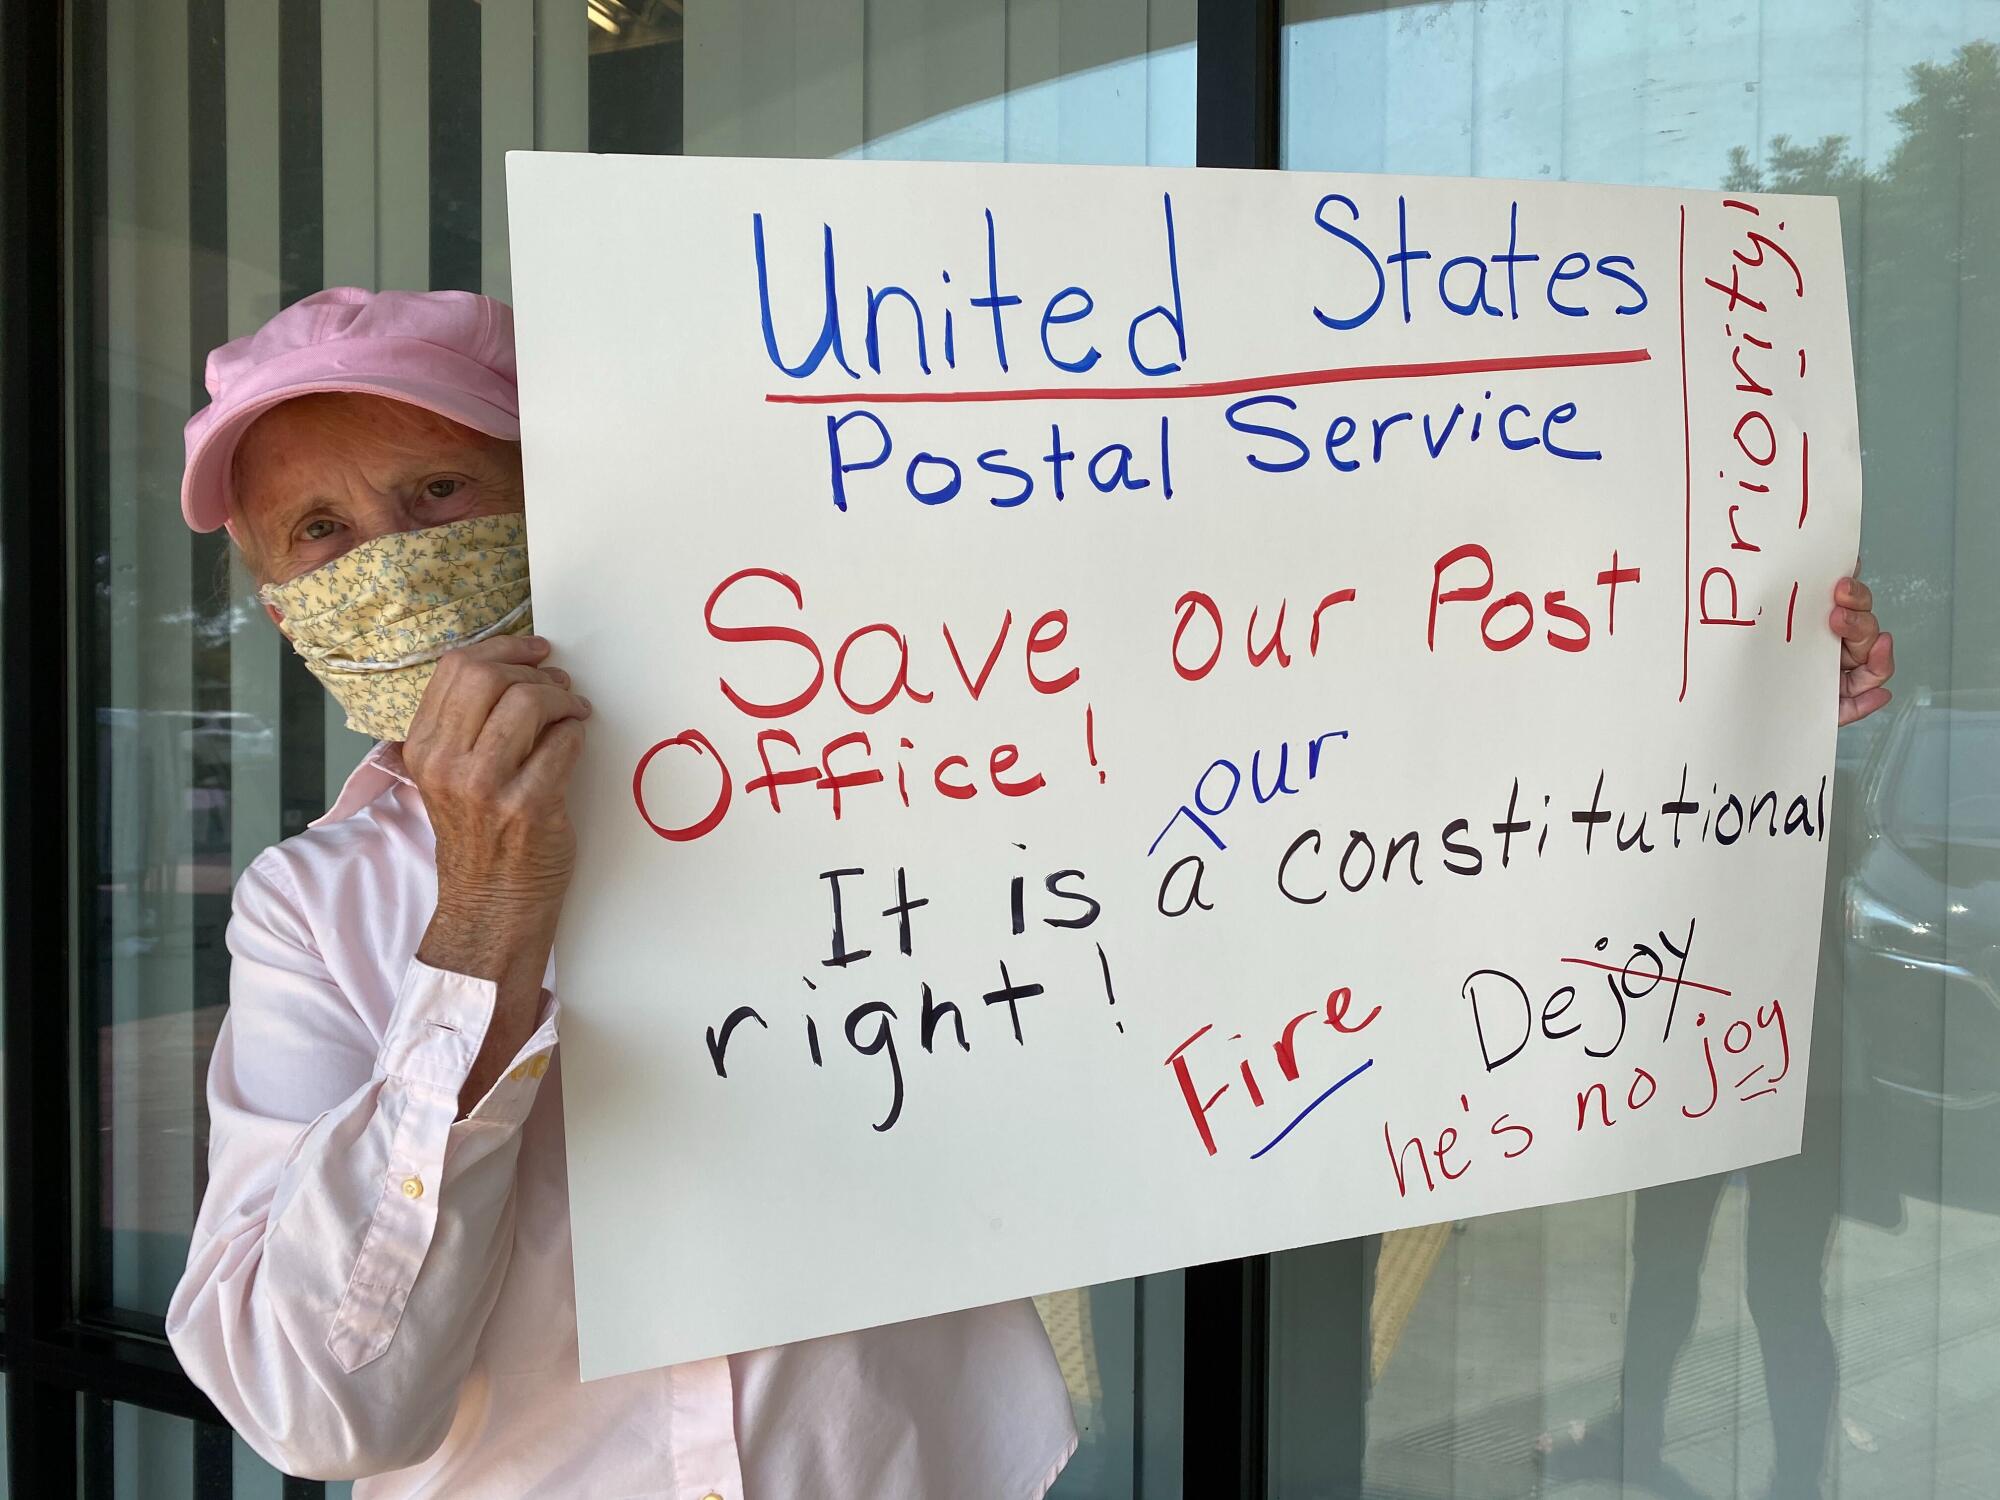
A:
{"x": 779, "y": 1194}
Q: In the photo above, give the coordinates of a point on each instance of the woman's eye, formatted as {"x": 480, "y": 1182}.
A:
{"x": 318, "y": 531}
{"x": 443, "y": 489}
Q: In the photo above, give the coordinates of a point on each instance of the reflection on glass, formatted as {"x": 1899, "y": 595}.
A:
{"x": 1119, "y": 1347}
{"x": 955, "y": 80}
{"x": 135, "y": 1453}
{"x": 1826, "y": 1324}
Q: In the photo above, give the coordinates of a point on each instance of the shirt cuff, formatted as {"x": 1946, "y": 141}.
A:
{"x": 437, "y": 1028}
{"x": 513, "y": 1092}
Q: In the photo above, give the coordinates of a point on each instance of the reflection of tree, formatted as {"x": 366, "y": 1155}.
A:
{"x": 1951, "y": 123}
{"x": 1952, "y": 113}
{"x": 1825, "y": 168}
{"x": 1923, "y": 272}
{"x": 1923, "y": 256}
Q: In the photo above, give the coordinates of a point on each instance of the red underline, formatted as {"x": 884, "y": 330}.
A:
{"x": 1199, "y": 388}
{"x": 1689, "y": 984}
{"x": 1687, "y": 467}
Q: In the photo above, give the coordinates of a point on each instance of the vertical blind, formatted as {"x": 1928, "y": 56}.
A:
{"x": 232, "y": 156}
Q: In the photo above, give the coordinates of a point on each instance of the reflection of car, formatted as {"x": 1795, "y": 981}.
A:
{"x": 1922, "y": 945}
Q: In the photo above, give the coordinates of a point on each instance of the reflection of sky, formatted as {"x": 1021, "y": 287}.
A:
{"x": 1651, "y": 93}
{"x": 1590, "y": 90}
{"x": 1137, "y": 111}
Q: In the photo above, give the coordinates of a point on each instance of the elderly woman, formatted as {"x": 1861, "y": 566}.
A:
{"x": 380, "y": 1283}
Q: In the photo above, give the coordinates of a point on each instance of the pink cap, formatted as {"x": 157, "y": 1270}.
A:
{"x": 451, "y": 352}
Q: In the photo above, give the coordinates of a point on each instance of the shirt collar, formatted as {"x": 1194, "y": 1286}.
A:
{"x": 380, "y": 769}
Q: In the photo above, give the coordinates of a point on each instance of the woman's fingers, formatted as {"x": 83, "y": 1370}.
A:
{"x": 546, "y": 771}
{"x": 1874, "y": 669}
{"x": 1853, "y": 620}
{"x": 469, "y": 681}
{"x": 1867, "y": 655}
{"x": 1862, "y": 705}
{"x": 523, "y": 711}
{"x": 1858, "y": 631}
{"x": 1863, "y": 686}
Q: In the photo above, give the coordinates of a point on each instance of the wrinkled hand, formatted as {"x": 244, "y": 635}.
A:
{"x": 1867, "y": 652}
{"x": 491, "y": 749}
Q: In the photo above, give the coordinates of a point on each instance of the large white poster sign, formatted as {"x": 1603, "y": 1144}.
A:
{"x": 1147, "y": 716}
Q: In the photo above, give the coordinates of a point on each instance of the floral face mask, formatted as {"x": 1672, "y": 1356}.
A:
{"x": 372, "y": 623}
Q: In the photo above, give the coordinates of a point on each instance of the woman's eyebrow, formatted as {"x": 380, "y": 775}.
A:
{"x": 283, "y": 516}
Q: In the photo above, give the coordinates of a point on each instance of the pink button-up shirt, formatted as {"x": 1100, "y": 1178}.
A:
{"x": 379, "y": 1288}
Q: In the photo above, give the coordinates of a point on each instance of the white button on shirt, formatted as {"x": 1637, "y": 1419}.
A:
{"x": 379, "y": 1290}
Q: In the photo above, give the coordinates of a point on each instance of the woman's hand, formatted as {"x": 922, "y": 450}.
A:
{"x": 491, "y": 749}
{"x": 1867, "y": 652}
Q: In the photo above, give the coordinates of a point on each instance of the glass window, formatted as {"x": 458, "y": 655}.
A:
{"x": 1824, "y": 1324}
{"x": 954, "y": 80}
{"x": 229, "y": 158}
{"x": 133, "y": 1453}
